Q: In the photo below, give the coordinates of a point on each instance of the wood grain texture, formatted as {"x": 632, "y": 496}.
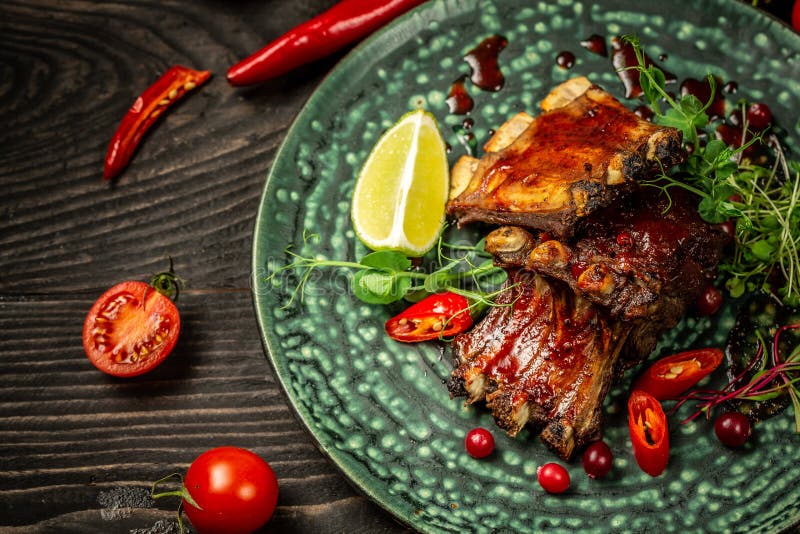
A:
{"x": 78, "y": 449}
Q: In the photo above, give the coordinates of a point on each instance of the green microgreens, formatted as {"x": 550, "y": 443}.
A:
{"x": 763, "y": 202}
{"x": 386, "y": 276}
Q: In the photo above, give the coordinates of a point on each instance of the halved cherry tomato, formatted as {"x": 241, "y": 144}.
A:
{"x": 131, "y": 328}
{"x": 649, "y": 434}
{"x": 439, "y": 315}
{"x": 670, "y": 376}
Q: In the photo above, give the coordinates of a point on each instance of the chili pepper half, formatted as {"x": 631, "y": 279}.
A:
{"x": 344, "y": 23}
{"x": 796, "y": 15}
{"x": 150, "y": 105}
{"x": 649, "y": 434}
{"x": 670, "y": 376}
{"x": 439, "y": 315}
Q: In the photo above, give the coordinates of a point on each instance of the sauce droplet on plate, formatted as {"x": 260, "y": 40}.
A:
{"x": 623, "y": 58}
{"x": 482, "y": 60}
{"x": 702, "y": 90}
{"x": 458, "y": 99}
{"x": 565, "y": 60}
{"x": 596, "y": 44}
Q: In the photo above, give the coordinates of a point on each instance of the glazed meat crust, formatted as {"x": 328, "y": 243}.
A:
{"x": 543, "y": 357}
{"x": 626, "y": 257}
{"x": 566, "y": 163}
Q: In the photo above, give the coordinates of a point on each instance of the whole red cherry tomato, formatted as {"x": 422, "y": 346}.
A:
{"x": 227, "y": 490}
{"x": 133, "y": 326}
{"x": 439, "y": 315}
{"x": 796, "y": 15}
{"x": 649, "y": 435}
{"x": 672, "y": 375}
{"x": 235, "y": 491}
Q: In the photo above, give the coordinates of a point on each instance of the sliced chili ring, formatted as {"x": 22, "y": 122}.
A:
{"x": 439, "y": 315}
{"x": 670, "y": 376}
{"x": 647, "y": 424}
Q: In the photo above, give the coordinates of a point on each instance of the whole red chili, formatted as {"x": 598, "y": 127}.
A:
{"x": 150, "y": 105}
{"x": 672, "y": 375}
{"x": 344, "y": 23}
{"x": 649, "y": 435}
{"x": 439, "y": 315}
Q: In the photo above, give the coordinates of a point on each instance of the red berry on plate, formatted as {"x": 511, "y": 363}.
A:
{"x": 709, "y": 301}
{"x": 553, "y": 478}
{"x": 479, "y": 443}
{"x": 597, "y": 459}
{"x": 759, "y": 116}
{"x": 625, "y": 239}
{"x": 733, "y": 429}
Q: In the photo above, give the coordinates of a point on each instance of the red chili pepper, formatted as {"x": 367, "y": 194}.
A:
{"x": 150, "y": 105}
{"x": 334, "y": 29}
{"x": 796, "y": 15}
{"x": 649, "y": 434}
{"x": 670, "y": 376}
{"x": 442, "y": 314}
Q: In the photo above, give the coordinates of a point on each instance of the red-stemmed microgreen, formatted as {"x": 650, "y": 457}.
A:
{"x": 775, "y": 376}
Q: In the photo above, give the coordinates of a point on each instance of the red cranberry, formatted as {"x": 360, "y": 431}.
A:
{"x": 733, "y": 429}
{"x": 479, "y": 443}
{"x": 709, "y": 301}
{"x": 759, "y": 116}
{"x": 624, "y": 239}
{"x": 729, "y": 227}
{"x": 597, "y": 459}
{"x": 553, "y": 478}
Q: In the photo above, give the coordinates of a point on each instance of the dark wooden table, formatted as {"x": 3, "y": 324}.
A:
{"x": 79, "y": 449}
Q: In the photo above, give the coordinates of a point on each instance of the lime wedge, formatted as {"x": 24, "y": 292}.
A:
{"x": 401, "y": 191}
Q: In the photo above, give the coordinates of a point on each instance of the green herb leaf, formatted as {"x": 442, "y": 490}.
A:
{"x": 376, "y": 287}
{"x": 762, "y": 250}
{"x": 386, "y": 260}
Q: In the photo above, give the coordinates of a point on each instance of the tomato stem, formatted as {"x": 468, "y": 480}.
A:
{"x": 182, "y": 493}
{"x": 168, "y": 283}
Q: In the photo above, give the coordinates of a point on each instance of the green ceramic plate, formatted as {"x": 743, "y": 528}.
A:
{"x": 379, "y": 409}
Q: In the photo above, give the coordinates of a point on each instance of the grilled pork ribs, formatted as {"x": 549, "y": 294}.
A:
{"x": 578, "y": 156}
{"x": 592, "y": 283}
